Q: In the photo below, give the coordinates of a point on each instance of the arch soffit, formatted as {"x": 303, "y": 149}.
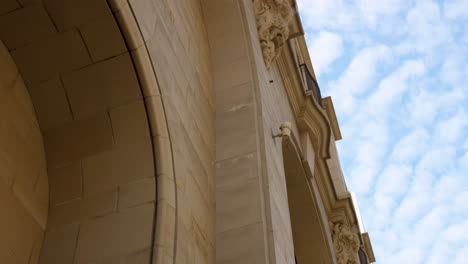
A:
{"x": 293, "y": 155}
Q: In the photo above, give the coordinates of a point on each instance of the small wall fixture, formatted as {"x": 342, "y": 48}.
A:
{"x": 285, "y": 130}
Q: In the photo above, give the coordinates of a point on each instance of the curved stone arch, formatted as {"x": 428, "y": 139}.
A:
{"x": 311, "y": 237}
{"x": 104, "y": 145}
{"x": 164, "y": 242}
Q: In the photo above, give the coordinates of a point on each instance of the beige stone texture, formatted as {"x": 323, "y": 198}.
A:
{"x": 121, "y": 165}
{"x": 31, "y": 24}
{"x": 98, "y": 87}
{"x": 82, "y": 209}
{"x": 137, "y": 192}
{"x": 8, "y": 6}
{"x": 24, "y": 197}
{"x": 59, "y": 245}
{"x": 69, "y": 13}
{"x": 242, "y": 215}
{"x": 103, "y": 38}
{"x": 58, "y": 54}
{"x": 66, "y": 183}
{"x": 87, "y": 94}
{"x": 242, "y": 245}
{"x": 175, "y": 38}
{"x": 105, "y": 237}
{"x": 78, "y": 139}
{"x": 51, "y": 104}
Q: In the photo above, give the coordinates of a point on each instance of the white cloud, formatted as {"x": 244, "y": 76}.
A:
{"x": 391, "y": 88}
{"x": 454, "y": 9}
{"x": 378, "y": 14}
{"x": 411, "y": 146}
{"x": 328, "y": 14}
{"x": 437, "y": 160}
{"x": 399, "y": 89}
{"x": 452, "y": 129}
{"x": 358, "y": 77}
{"x": 324, "y": 49}
{"x": 426, "y": 32}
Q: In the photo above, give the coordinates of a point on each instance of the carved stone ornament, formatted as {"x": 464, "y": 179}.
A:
{"x": 273, "y": 17}
{"x": 346, "y": 244}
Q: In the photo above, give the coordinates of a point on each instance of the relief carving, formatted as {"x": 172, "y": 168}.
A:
{"x": 346, "y": 244}
{"x": 273, "y": 17}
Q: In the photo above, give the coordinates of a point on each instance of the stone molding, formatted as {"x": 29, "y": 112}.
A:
{"x": 164, "y": 237}
{"x": 346, "y": 244}
{"x": 273, "y": 18}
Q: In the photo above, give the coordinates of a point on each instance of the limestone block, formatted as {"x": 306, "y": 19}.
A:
{"x": 145, "y": 72}
{"x": 50, "y": 103}
{"x": 8, "y": 6}
{"x": 156, "y": 113}
{"x": 7, "y": 68}
{"x": 130, "y": 124}
{"x": 140, "y": 257}
{"x": 224, "y": 78}
{"x": 129, "y": 26}
{"x": 236, "y": 170}
{"x": 116, "y": 234}
{"x": 7, "y": 172}
{"x": 86, "y": 208}
{"x": 166, "y": 189}
{"x": 103, "y": 38}
{"x": 30, "y": 24}
{"x": 44, "y": 59}
{"x": 29, "y": 2}
{"x": 165, "y": 227}
{"x": 21, "y": 94}
{"x": 136, "y": 193}
{"x": 98, "y": 87}
{"x": 69, "y": 13}
{"x": 19, "y": 230}
{"x": 59, "y": 245}
{"x": 185, "y": 244}
{"x": 78, "y": 139}
{"x": 146, "y": 16}
{"x": 203, "y": 211}
{"x": 235, "y": 126}
{"x": 241, "y": 245}
{"x": 238, "y": 205}
{"x": 34, "y": 200}
{"x": 161, "y": 256}
{"x": 162, "y": 150}
{"x": 121, "y": 165}
{"x": 36, "y": 250}
{"x": 66, "y": 183}
{"x": 143, "y": 257}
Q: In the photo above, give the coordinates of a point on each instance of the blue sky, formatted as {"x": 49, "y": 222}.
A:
{"x": 397, "y": 71}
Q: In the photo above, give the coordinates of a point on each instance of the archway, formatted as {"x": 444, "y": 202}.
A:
{"x": 91, "y": 94}
{"x": 311, "y": 244}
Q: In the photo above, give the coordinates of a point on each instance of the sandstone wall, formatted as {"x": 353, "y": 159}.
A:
{"x": 174, "y": 33}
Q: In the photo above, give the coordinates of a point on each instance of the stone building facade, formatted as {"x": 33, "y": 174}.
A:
{"x": 167, "y": 131}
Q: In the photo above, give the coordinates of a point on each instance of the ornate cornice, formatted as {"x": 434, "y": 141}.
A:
{"x": 346, "y": 244}
{"x": 273, "y": 18}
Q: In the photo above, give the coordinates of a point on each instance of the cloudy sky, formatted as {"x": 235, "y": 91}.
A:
{"x": 397, "y": 71}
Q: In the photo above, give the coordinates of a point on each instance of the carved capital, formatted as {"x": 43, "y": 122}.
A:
{"x": 273, "y": 17}
{"x": 346, "y": 244}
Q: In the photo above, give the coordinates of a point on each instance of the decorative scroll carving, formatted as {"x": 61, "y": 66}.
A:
{"x": 346, "y": 244}
{"x": 273, "y": 17}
